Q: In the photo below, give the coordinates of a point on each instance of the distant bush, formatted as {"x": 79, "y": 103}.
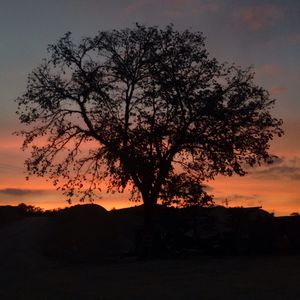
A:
{"x": 30, "y": 210}
{"x": 10, "y": 213}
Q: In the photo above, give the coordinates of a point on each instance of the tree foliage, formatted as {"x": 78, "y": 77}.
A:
{"x": 143, "y": 108}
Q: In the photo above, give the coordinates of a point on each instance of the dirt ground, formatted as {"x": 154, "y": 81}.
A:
{"x": 26, "y": 274}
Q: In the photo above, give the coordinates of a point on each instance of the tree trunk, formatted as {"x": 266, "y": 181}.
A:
{"x": 150, "y": 244}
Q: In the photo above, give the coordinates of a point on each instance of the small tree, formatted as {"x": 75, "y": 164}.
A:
{"x": 144, "y": 108}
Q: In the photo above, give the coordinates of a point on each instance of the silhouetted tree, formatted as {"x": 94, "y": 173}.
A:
{"x": 144, "y": 108}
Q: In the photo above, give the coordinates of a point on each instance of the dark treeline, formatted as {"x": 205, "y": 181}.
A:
{"x": 89, "y": 232}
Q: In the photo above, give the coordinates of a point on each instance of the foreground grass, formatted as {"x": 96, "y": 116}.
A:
{"x": 192, "y": 278}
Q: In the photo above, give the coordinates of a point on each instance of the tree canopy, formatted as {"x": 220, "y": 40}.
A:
{"x": 144, "y": 108}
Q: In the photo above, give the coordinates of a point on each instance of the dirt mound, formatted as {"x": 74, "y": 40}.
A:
{"x": 9, "y": 214}
{"x": 81, "y": 233}
{"x": 89, "y": 211}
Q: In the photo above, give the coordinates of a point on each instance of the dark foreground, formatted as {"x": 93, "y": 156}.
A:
{"x": 84, "y": 253}
{"x": 205, "y": 278}
{"x": 27, "y": 274}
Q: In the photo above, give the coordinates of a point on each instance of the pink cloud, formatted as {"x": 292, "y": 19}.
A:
{"x": 275, "y": 90}
{"x": 257, "y": 17}
{"x": 295, "y": 38}
{"x": 174, "y": 8}
{"x": 180, "y": 2}
{"x": 186, "y": 8}
{"x": 267, "y": 70}
{"x": 179, "y": 8}
{"x": 135, "y": 6}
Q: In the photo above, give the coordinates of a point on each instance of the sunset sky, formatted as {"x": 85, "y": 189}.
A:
{"x": 263, "y": 34}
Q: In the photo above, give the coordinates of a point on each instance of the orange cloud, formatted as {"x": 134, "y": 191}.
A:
{"x": 257, "y": 17}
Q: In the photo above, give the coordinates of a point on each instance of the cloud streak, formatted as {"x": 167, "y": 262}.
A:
{"x": 15, "y": 192}
{"x": 234, "y": 197}
{"x": 283, "y": 169}
{"x": 239, "y": 199}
